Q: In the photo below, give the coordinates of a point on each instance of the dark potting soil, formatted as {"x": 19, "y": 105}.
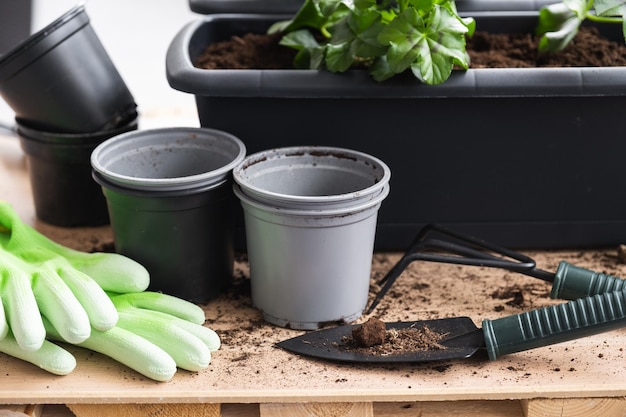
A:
{"x": 373, "y": 338}
{"x": 486, "y": 50}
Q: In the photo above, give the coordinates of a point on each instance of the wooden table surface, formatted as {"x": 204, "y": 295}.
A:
{"x": 250, "y": 369}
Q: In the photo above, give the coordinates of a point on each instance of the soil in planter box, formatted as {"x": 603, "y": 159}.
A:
{"x": 486, "y": 50}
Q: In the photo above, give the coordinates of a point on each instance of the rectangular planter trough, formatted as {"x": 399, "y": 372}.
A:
{"x": 529, "y": 158}
{"x": 292, "y": 6}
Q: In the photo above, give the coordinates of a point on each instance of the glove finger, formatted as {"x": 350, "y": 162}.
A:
{"x": 96, "y": 303}
{"x": 49, "y": 357}
{"x": 129, "y": 349}
{"x": 59, "y": 305}
{"x": 188, "y": 351}
{"x": 22, "y": 311}
{"x": 208, "y": 336}
{"x": 156, "y": 301}
{"x": 112, "y": 271}
{"x": 133, "y": 351}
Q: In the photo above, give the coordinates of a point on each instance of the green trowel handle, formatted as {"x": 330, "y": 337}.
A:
{"x": 555, "y": 324}
{"x": 572, "y": 282}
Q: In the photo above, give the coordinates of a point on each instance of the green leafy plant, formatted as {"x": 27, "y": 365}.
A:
{"x": 388, "y": 36}
{"x": 559, "y": 22}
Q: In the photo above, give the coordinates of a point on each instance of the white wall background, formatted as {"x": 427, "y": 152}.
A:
{"x": 136, "y": 35}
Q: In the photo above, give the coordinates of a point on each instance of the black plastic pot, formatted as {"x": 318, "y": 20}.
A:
{"x": 292, "y": 6}
{"x": 61, "y": 79}
{"x": 185, "y": 240}
{"x": 59, "y": 167}
{"x": 523, "y": 157}
{"x": 169, "y": 194}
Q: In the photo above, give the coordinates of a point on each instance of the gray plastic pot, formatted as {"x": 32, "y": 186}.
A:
{"x": 64, "y": 192}
{"x": 61, "y": 79}
{"x": 170, "y": 200}
{"x": 310, "y": 218}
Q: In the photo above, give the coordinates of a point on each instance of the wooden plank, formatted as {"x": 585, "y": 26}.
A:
{"x": 145, "y": 410}
{"x": 349, "y": 409}
{"x": 575, "y": 407}
{"x": 449, "y": 408}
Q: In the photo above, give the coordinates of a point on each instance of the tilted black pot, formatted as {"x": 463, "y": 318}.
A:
{"x": 61, "y": 79}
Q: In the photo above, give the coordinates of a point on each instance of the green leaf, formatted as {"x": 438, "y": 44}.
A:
{"x": 558, "y": 25}
{"x": 338, "y": 57}
{"x": 309, "y": 15}
{"x": 580, "y": 7}
{"x": 425, "y": 5}
{"x": 310, "y": 53}
{"x": 299, "y": 40}
{"x": 379, "y": 70}
{"x": 430, "y": 45}
{"x": 359, "y": 31}
{"x": 553, "y": 17}
{"x": 558, "y": 40}
{"x": 610, "y": 7}
{"x": 439, "y": 70}
{"x": 279, "y": 27}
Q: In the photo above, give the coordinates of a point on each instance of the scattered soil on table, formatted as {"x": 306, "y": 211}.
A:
{"x": 486, "y": 50}
{"x": 374, "y": 339}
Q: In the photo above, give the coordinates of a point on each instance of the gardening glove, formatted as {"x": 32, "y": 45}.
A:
{"x": 49, "y": 356}
{"x": 155, "y": 334}
{"x": 112, "y": 272}
{"x": 39, "y": 277}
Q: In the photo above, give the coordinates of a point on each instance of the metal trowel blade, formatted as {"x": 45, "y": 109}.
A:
{"x": 462, "y": 340}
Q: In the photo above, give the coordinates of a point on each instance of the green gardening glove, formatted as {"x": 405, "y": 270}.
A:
{"x": 39, "y": 277}
{"x": 112, "y": 272}
{"x": 49, "y": 356}
{"x": 155, "y": 334}
{"x": 93, "y": 300}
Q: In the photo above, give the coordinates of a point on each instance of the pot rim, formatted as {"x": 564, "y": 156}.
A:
{"x": 196, "y": 181}
{"x": 36, "y": 39}
{"x": 313, "y": 212}
{"x": 297, "y": 202}
{"x": 24, "y": 130}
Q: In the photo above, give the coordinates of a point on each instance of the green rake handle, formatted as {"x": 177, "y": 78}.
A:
{"x": 572, "y": 282}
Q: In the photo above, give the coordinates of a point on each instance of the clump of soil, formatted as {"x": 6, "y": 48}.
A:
{"x": 373, "y": 338}
{"x": 370, "y": 333}
{"x": 486, "y": 50}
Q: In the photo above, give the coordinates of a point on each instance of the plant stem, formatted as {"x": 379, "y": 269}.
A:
{"x": 604, "y": 19}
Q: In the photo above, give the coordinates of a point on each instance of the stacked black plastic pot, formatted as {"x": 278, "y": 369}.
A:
{"x": 67, "y": 97}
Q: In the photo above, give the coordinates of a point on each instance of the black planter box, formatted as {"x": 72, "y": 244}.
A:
{"x": 292, "y": 6}
{"x": 529, "y": 158}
